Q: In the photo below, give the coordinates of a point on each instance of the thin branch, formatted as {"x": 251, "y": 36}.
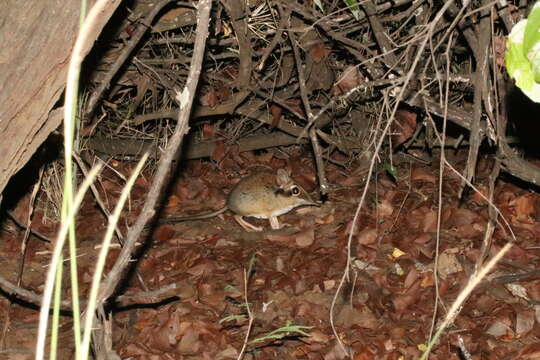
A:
{"x": 323, "y": 182}
{"x": 426, "y": 36}
{"x": 171, "y": 153}
{"x": 126, "y": 52}
{"x": 481, "y": 77}
{"x": 142, "y": 297}
{"x": 380, "y": 35}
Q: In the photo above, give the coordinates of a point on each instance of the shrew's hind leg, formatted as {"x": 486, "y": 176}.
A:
{"x": 247, "y": 226}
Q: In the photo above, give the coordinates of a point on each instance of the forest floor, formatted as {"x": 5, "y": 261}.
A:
{"x": 195, "y": 303}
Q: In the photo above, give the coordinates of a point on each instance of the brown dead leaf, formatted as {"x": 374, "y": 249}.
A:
{"x": 329, "y": 284}
{"x": 215, "y": 94}
{"x": 209, "y": 98}
{"x": 163, "y": 233}
{"x": 385, "y": 208}
{"x": 38, "y": 223}
{"x": 499, "y": 329}
{"x": 471, "y": 230}
{"x": 365, "y": 353}
{"x": 208, "y": 130}
{"x": 416, "y": 217}
{"x": 319, "y": 52}
{"x": 524, "y": 207}
{"x": 181, "y": 190}
{"x": 367, "y": 236}
{"x": 277, "y": 112}
{"x": 111, "y": 187}
{"x": 173, "y": 202}
{"x": 143, "y": 182}
{"x": 162, "y": 339}
{"x": 350, "y": 79}
{"x": 219, "y": 151}
{"x": 189, "y": 342}
{"x": 305, "y": 238}
{"x": 304, "y": 309}
{"x": 264, "y": 158}
{"x": 232, "y": 159}
{"x": 349, "y": 316}
{"x": 516, "y": 252}
{"x": 296, "y": 105}
{"x": 403, "y": 301}
{"x": 429, "y": 222}
{"x": 533, "y": 289}
{"x": 336, "y": 353}
{"x": 422, "y": 174}
{"x": 428, "y": 280}
{"x": 478, "y": 197}
{"x": 205, "y": 289}
{"x": 328, "y": 219}
{"x": 448, "y": 263}
{"x": 461, "y": 217}
{"x": 306, "y": 178}
{"x": 174, "y": 13}
{"x": 144, "y": 322}
{"x": 389, "y": 345}
{"x": 281, "y": 238}
{"x": 423, "y": 238}
{"x": 228, "y": 353}
{"x": 134, "y": 350}
{"x": 517, "y": 290}
{"x": 529, "y": 352}
{"x": 206, "y": 267}
{"x": 317, "y": 336}
{"x": 350, "y": 180}
{"x": 412, "y": 276}
{"x": 403, "y": 127}
{"x": 397, "y": 333}
{"x": 524, "y": 322}
{"x": 192, "y": 191}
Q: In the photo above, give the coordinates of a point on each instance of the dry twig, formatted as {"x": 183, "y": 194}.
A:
{"x": 171, "y": 153}
{"x": 130, "y": 46}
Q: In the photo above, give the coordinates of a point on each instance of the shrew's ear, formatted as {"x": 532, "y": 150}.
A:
{"x": 282, "y": 177}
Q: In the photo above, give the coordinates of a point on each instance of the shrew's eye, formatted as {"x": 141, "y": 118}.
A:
{"x": 295, "y": 191}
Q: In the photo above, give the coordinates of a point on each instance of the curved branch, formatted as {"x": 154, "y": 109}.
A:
{"x": 133, "y": 42}
{"x": 517, "y": 166}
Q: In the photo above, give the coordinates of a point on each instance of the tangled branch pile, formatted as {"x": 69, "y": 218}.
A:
{"x": 274, "y": 69}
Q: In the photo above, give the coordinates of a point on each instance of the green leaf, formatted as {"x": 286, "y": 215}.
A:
{"x": 391, "y": 169}
{"x": 284, "y": 332}
{"x": 535, "y": 65}
{"x": 524, "y": 66}
{"x": 232, "y": 318}
{"x": 518, "y": 66}
{"x": 531, "y": 36}
{"x": 515, "y": 57}
{"x": 319, "y": 5}
{"x": 231, "y": 288}
{"x": 353, "y": 6}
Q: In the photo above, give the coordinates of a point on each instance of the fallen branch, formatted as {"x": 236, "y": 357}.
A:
{"x": 323, "y": 182}
{"x": 126, "y": 51}
{"x": 25, "y": 227}
{"x": 517, "y": 166}
{"x": 199, "y": 112}
{"x": 198, "y": 150}
{"x": 171, "y": 153}
{"x": 140, "y": 298}
{"x": 28, "y": 295}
